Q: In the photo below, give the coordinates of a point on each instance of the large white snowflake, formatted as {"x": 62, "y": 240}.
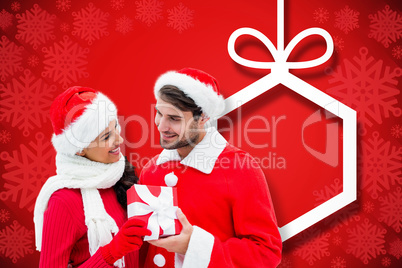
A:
{"x": 380, "y": 165}
{"x": 65, "y": 62}
{"x": 26, "y": 170}
{"x": 16, "y": 241}
{"x": 35, "y": 26}
{"x": 347, "y": 19}
{"x": 312, "y": 245}
{"x": 149, "y": 11}
{"x": 366, "y": 241}
{"x": 386, "y": 26}
{"x": 367, "y": 86}
{"x": 10, "y": 55}
{"x": 180, "y": 18}
{"x": 90, "y": 23}
{"x": 6, "y": 19}
{"x": 391, "y": 209}
{"x": 124, "y": 25}
{"x": 25, "y": 102}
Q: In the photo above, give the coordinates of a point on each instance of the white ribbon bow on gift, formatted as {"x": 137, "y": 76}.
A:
{"x": 161, "y": 207}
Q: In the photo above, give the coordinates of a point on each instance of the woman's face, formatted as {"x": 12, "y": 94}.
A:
{"x": 106, "y": 147}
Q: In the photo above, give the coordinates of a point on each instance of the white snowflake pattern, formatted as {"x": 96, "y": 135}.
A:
{"x": 90, "y": 23}
{"x": 26, "y": 170}
{"x": 396, "y": 248}
{"x": 367, "y": 86}
{"x": 6, "y": 19}
{"x": 338, "y": 262}
{"x": 180, "y": 18}
{"x": 386, "y": 262}
{"x": 386, "y": 26}
{"x": 396, "y": 131}
{"x": 397, "y": 52}
{"x": 149, "y": 11}
{"x": 33, "y": 60}
{"x": 339, "y": 43}
{"x": 65, "y": 62}
{"x": 15, "y": 6}
{"x": 321, "y": 15}
{"x": 63, "y": 5}
{"x": 337, "y": 240}
{"x": 312, "y": 245}
{"x": 4, "y": 215}
{"x": 25, "y": 102}
{"x": 64, "y": 27}
{"x": 368, "y": 207}
{"x": 5, "y": 136}
{"x": 124, "y": 25}
{"x": 117, "y": 4}
{"x": 391, "y": 209}
{"x": 380, "y": 165}
{"x": 366, "y": 241}
{"x": 328, "y": 192}
{"x": 10, "y": 55}
{"x": 16, "y": 241}
{"x": 35, "y": 26}
{"x": 347, "y": 19}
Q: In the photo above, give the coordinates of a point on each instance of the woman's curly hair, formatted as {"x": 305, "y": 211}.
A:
{"x": 128, "y": 179}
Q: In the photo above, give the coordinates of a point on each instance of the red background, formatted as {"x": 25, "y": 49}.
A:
{"x": 124, "y": 61}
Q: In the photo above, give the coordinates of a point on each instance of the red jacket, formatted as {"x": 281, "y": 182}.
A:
{"x": 65, "y": 233}
{"x": 227, "y": 201}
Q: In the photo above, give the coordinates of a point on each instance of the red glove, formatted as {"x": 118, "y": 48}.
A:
{"x": 129, "y": 238}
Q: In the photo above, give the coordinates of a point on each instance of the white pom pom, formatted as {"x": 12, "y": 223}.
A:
{"x": 159, "y": 260}
{"x": 171, "y": 179}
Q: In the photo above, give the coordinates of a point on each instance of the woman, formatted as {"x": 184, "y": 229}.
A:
{"x": 79, "y": 211}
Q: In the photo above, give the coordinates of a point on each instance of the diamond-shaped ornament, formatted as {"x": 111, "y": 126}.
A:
{"x": 280, "y": 75}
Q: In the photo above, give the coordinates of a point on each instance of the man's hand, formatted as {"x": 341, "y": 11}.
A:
{"x": 178, "y": 243}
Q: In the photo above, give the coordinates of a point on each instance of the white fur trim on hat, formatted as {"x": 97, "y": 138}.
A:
{"x": 204, "y": 96}
{"x": 93, "y": 121}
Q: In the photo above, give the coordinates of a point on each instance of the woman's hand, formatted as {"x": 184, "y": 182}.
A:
{"x": 177, "y": 243}
{"x": 129, "y": 238}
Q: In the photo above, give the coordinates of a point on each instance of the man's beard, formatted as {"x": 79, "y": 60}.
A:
{"x": 192, "y": 140}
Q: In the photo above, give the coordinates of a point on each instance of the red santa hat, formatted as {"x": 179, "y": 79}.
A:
{"x": 197, "y": 85}
{"x": 78, "y": 116}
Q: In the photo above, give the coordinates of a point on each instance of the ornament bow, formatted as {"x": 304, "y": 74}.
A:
{"x": 161, "y": 207}
{"x": 280, "y": 65}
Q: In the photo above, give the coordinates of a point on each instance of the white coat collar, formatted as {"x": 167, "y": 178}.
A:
{"x": 204, "y": 154}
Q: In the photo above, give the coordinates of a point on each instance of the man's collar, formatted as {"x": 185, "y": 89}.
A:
{"x": 204, "y": 154}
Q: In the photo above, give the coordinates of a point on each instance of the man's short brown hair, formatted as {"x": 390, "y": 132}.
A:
{"x": 177, "y": 98}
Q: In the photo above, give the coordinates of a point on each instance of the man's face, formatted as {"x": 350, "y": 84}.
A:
{"x": 177, "y": 128}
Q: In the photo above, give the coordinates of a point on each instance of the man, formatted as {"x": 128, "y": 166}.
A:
{"x": 226, "y": 210}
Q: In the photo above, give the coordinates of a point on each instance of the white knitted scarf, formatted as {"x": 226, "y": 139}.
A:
{"x": 78, "y": 172}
